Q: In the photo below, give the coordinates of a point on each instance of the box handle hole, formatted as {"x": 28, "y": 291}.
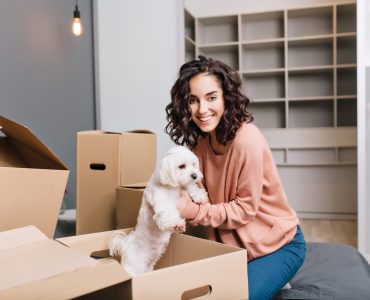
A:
{"x": 205, "y": 290}
{"x": 98, "y": 167}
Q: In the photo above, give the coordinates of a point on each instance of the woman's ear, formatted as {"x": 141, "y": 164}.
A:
{"x": 166, "y": 172}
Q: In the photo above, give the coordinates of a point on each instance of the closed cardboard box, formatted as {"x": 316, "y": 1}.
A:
{"x": 106, "y": 160}
{"x": 32, "y": 180}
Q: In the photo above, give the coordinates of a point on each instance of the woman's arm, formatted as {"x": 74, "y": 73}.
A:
{"x": 232, "y": 213}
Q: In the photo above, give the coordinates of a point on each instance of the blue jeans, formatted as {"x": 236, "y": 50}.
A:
{"x": 268, "y": 274}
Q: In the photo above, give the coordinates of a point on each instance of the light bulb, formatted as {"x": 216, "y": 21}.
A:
{"x": 76, "y": 24}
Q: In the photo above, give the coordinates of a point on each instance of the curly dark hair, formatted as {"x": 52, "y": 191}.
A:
{"x": 181, "y": 128}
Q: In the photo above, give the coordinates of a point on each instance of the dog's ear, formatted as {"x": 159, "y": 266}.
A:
{"x": 166, "y": 172}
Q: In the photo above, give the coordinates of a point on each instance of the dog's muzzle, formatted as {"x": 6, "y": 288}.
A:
{"x": 194, "y": 176}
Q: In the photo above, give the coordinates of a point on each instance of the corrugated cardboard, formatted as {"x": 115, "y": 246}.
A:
{"x": 190, "y": 267}
{"x": 35, "y": 267}
{"x": 32, "y": 180}
{"x": 128, "y": 202}
{"x": 106, "y": 160}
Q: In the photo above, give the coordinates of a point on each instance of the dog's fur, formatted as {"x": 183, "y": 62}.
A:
{"x": 158, "y": 216}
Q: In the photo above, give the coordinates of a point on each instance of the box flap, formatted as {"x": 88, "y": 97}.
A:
{"x": 26, "y": 141}
{"x": 105, "y": 273}
{"x": 21, "y": 236}
{"x": 9, "y": 157}
{"x": 37, "y": 261}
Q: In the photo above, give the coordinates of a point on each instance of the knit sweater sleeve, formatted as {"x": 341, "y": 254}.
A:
{"x": 246, "y": 166}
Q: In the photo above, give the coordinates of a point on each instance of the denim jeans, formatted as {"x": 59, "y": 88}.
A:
{"x": 268, "y": 274}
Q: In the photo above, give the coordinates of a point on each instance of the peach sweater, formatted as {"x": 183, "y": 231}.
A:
{"x": 248, "y": 207}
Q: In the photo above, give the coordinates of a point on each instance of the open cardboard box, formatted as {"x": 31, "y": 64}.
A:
{"x": 106, "y": 160}
{"x": 33, "y": 180}
{"x": 36, "y": 267}
{"x": 190, "y": 267}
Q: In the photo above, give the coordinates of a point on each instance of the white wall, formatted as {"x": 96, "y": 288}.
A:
{"x": 363, "y": 124}
{"x": 136, "y": 61}
{"x": 205, "y": 8}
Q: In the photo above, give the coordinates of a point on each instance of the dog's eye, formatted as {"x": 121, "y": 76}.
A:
{"x": 183, "y": 166}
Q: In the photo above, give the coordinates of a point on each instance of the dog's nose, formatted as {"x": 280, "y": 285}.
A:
{"x": 194, "y": 176}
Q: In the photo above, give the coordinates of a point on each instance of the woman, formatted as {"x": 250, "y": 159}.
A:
{"x": 248, "y": 207}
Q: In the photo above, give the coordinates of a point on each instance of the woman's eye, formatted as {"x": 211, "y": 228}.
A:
{"x": 183, "y": 166}
{"x": 213, "y": 98}
{"x": 192, "y": 100}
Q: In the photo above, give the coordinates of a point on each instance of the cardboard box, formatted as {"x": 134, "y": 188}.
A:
{"x": 190, "y": 267}
{"x": 106, "y": 160}
{"x": 39, "y": 268}
{"x": 36, "y": 267}
{"x": 32, "y": 180}
{"x": 128, "y": 202}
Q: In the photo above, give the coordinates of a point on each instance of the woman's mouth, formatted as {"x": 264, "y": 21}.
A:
{"x": 205, "y": 119}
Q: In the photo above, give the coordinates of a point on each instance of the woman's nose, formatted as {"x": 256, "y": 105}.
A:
{"x": 202, "y": 107}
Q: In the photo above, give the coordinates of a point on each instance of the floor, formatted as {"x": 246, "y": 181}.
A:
{"x": 332, "y": 231}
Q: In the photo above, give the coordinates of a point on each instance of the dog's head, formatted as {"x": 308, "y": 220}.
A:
{"x": 179, "y": 167}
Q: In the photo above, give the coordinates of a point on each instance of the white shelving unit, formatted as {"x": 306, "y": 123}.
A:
{"x": 299, "y": 69}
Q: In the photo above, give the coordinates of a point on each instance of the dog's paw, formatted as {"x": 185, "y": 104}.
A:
{"x": 169, "y": 223}
{"x": 179, "y": 227}
{"x": 116, "y": 243}
{"x": 199, "y": 196}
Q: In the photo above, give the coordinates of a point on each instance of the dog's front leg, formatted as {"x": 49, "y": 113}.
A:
{"x": 166, "y": 215}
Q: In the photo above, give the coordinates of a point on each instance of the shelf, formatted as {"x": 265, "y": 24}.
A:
{"x": 313, "y": 84}
{"x": 189, "y": 50}
{"x": 268, "y": 115}
{"x": 227, "y": 54}
{"x": 217, "y": 30}
{"x": 346, "y": 18}
{"x": 304, "y": 53}
{"x": 262, "y": 26}
{"x": 346, "y": 50}
{"x": 318, "y": 113}
{"x": 189, "y": 25}
{"x": 263, "y": 56}
{"x": 347, "y": 112}
{"x": 346, "y": 81}
{"x": 310, "y": 21}
{"x": 255, "y": 85}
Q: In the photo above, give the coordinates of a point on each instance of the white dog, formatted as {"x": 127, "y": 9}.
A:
{"x": 158, "y": 216}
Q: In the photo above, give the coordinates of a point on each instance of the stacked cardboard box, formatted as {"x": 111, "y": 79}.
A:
{"x": 106, "y": 160}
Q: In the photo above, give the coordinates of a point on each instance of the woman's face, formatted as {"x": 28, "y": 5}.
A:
{"x": 206, "y": 101}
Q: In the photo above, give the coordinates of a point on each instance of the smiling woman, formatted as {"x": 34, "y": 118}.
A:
{"x": 248, "y": 207}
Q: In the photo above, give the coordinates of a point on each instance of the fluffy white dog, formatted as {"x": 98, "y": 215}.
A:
{"x": 158, "y": 216}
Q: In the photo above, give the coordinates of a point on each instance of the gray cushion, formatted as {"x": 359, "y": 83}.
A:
{"x": 330, "y": 271}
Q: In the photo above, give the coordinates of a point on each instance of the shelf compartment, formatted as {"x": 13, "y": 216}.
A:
{"x": 346, "y": 81}
{"x": 302, "y": 53}
{"x": 279, "y": 155}
{"x": 310, "y": 21}
{"x": 217, "y": 30}
{"x": 268, "y": 115}
{"x": 311, "y": 156}
{"x": 317, "y": 113}
{"x": 346, "y": 112}
{"x": 189, "y": 50}
{"x": 330, "y": 189}
{"x": 263, "y": 56}
{"x": 346, "y": 50}
{"x": 189, "y": 25}
{"x": 346, "y": 18}
{"x": 262, "y": 26}
{"x": 311, "y": 83}
{"x": 264, "y": 86}
{"x": 227, "y": 54}
{"x": 347, "y": 154}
